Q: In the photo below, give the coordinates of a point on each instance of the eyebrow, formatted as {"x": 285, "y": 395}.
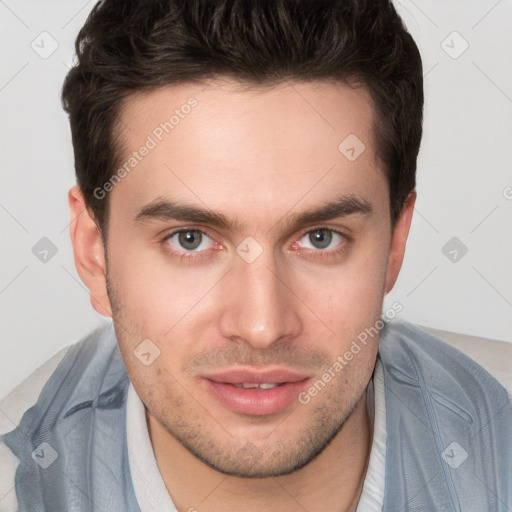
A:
{"x": 165, "y": 209}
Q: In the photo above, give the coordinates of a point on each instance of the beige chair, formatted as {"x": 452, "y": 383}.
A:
{"x": 493, "y": 355}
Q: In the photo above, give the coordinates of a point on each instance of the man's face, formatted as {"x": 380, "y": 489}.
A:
{"x": 258, "y": 299}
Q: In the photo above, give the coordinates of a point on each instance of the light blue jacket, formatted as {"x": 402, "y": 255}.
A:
{"x": 448, "y": 422}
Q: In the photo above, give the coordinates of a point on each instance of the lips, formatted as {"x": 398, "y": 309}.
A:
{"x": 255, "y": 392}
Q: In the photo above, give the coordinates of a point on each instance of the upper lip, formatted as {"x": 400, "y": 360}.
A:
{"x": 253, "y": 376}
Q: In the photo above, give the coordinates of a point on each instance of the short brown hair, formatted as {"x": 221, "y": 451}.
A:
{"x": 128, "y": 46}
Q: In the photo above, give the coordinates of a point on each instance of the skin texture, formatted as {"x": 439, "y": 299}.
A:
{"x": 258, "y": 156}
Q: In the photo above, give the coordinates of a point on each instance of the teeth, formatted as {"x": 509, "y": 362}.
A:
{"x": 255, "y": 385}
{"x": 268, "y": 385}
{"x": 250, "y": 385}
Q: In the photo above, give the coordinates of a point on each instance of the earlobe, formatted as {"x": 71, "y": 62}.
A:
{"x": 88, "y": 251}
{"x": 399, "y": 240}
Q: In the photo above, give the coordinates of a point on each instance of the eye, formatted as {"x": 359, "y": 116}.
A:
{"x": 194, "y": 244}
{"x": 189, "y": 240}
{"x": 321, "y": 238}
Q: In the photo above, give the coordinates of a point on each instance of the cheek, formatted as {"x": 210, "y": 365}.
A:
{"x": 347, "y": 297}
{"x": 152, "y": 294}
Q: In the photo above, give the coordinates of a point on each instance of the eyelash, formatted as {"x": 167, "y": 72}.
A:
{"x": 192, "y": 256}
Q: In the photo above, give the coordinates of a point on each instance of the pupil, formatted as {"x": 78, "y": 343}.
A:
{"x": 321, "y": 238}
{"x": 190, "y": 239}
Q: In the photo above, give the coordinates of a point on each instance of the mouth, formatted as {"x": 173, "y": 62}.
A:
{"x": 257, "y": 393}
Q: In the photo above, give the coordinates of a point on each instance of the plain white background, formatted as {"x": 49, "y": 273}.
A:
{"x": 464, "y": 179}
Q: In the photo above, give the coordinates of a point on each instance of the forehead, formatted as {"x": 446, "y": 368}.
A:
{"x": 207, "y": 143}
{"x": 326, "y": 108}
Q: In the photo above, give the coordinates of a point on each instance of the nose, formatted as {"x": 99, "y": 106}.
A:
{"x": 261, "y": 308}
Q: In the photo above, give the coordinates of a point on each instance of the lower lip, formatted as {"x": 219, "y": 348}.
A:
{"x": 259, "y": 402}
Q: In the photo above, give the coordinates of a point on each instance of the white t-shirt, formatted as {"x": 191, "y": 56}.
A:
{"x": 149, "y": 486}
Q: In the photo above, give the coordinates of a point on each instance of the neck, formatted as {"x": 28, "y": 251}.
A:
{"x": 332, "y": 481}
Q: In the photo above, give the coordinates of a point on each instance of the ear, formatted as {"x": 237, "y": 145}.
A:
{"x": 398, "y": 241}
{"x": 89, "y": 252}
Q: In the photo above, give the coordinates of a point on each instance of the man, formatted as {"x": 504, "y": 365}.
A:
{"x": 246, "y": 183}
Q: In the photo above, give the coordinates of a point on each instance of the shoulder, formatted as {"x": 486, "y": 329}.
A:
{"x": 35, "y": 395}
{"x": 26, "y": 394}
{"x": 443, "y": 358}
{"x": 447, "y": 419}
{"x": 493, "y": 355}
{"x": 12, "y": 408}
